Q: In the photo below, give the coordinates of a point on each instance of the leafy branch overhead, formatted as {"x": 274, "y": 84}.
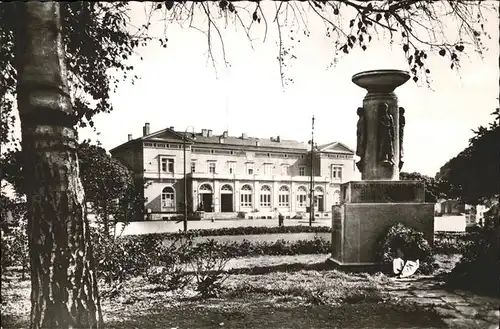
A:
{"x": 448, "y": 28}
{"x": 98, "y": 45}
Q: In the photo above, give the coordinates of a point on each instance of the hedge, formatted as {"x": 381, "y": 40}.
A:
{"x": 280, "y": 247}
{"x": 247, "y": 230}
{"x": 454, "y": 242}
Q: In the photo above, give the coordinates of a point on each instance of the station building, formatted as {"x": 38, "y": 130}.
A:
{"x": 235, "y": 176}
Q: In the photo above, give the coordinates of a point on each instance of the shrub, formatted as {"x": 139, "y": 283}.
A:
{"x": 15, "y": 247}
{"x": 208, "y": 262}
{"x": 119, "y": 259}
{"x": 453, "y": 242}
{"x": 246, "y": 248}
{"x": 248, "y": 230}
{"x": 411, "y": 242}
{"x": 167, "y": 271}
{"x": 479, "y": 268}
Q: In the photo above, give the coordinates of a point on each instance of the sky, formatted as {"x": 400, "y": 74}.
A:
{"x": 179, "y": 87}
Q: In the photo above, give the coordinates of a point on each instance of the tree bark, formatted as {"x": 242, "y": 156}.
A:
{"x": 64, "y": 290}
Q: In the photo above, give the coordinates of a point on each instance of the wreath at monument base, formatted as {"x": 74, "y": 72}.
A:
{"x": 412, "y": 244}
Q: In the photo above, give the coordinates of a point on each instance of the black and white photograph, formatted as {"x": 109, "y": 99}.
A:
{"x": 250, "y": 164}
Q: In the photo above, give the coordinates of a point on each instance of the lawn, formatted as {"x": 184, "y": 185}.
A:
{"x": 301, "y": 299}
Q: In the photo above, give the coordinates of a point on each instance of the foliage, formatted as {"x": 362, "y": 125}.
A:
{"x": 434, "y": 188}
{"x": 479, "y": 268}
{"x": 117, "y": 260}
{"x": 168, "y": 273}
{"x": 97, "y": 42}
{"x": 104, "y": 178}
{"x": 453, "y": 242}
{"x": 247, "y": 248}
{"x": 474, "y": 172}
{"x": 109, "y": 186}
{"x": 14, "y": 237}
{"x": 208, "y": 262}
{"x": 249, "y": 230}
{"x": 411, "y": 242}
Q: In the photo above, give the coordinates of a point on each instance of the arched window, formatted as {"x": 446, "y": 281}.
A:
{"x": 205, "y": 188}
{"x": 265, "y": 196}
{"x": 284, "y": 196}
{"x": 168, "y": 197}
{"x": 226, "y": 189}
{"x": 319, "y": 200}
{"x": 301, "y": 196}
{"x": 246, "y": 196}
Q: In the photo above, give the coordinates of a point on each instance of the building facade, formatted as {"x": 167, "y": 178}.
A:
{"x": 226, "y": 176}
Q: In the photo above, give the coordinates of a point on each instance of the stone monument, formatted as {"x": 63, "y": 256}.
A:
{"x": 370, "y": 206}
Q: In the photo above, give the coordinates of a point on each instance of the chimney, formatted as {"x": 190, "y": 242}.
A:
{"x": 171, "y": 128}
{"x": 224, "y": 134}
{"x": 204, "y": 132}
{"x": 145, "y": 129}
{"x": 129, "y": 137}
{"x": 209, "y": 133}
{"x": 257, "y": 143}
{"x": 244, "y": 136}
{"x": 278, "y": 139}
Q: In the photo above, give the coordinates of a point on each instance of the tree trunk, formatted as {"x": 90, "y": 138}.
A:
{"x": 63, "y": 281}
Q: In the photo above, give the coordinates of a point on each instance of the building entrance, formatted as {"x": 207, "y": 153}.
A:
{"x": 226, "y": 198}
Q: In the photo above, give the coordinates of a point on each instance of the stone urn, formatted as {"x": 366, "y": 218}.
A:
{"x": 380, "y": 81}
{"x": 380, "y": 85}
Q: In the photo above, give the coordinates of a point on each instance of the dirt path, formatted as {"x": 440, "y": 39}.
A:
{"x": 458, "y": 309}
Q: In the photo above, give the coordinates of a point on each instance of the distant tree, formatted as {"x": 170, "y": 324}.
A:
{"x": 105, "y": 181}
{"x": 474, "y": 173}
{"x": 434, "y": 188}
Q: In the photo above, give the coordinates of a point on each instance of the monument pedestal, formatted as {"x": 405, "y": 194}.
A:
{"x": 368, "y": 209}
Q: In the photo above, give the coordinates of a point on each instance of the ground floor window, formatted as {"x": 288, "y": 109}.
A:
{"x": 265, "y": 200}
{"x": 301, "y": 200}
{"x": 284, "y": 197}
{"x": 301, "y": 196}
{"x": 265, "y": 196}
{"x": 246, "y": 200}
{"x": 246, "y": 196}
{"x": 167, "y": 197}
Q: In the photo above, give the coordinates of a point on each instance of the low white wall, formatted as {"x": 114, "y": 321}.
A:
{"x": 449, "y": 223}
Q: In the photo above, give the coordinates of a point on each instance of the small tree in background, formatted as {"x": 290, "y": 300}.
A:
{"x": 434, "y": 188}
{"x": 474, "y": 173}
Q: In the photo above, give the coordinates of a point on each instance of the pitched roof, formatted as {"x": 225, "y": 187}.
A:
{"x": 336, "y": 147}
{"x": 170, "y": 135}
{"x": 251, "y": 141}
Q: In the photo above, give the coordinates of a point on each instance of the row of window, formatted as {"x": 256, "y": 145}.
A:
{"x": 167, "y": 165}
{"x": 231, "y": 152}
{"x": 168, "y": 198}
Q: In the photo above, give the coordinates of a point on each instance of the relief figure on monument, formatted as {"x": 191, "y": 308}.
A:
{"x": 386, "y": 135}
{"x": 361, "y": 139}
{"x": 402, "y": 123}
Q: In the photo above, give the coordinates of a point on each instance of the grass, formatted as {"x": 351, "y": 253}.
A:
{"x": 302, "y": 299}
